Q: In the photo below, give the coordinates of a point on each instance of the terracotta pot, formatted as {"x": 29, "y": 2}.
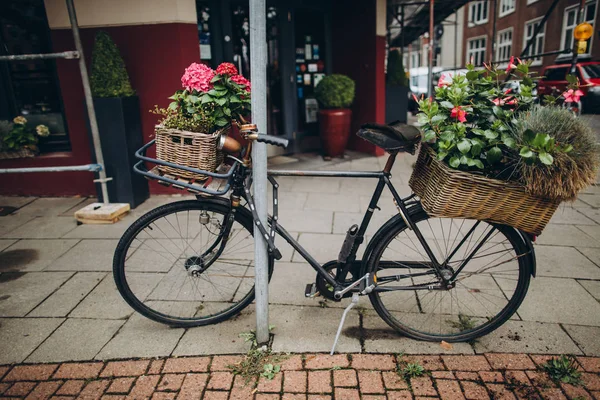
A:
{"x": 335, "y": 130}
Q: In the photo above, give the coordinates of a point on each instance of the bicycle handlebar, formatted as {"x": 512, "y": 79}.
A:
{"x": 274, "y": 140}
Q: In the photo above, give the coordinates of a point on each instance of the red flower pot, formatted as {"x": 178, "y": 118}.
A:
{"x": 335, "y": 130}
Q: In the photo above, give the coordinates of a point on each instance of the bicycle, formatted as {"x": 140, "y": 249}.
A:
{"x": 191, "y": 263}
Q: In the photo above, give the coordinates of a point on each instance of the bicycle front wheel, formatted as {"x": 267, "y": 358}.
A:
{"x": 176, "y": 266}
{"x": 489, "y": 263}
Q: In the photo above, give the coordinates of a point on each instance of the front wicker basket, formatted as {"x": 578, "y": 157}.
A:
{"x": 191, "y": 149}
{"x": 449, "y": 193}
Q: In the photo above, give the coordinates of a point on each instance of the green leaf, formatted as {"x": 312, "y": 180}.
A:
{"x": 464, "y": 146}
{"x": 470, "y": 162}
{"x": 475, "y": 148}
{"x": 221, "y": 101}
{"x": 422, "y": 118}
{"x": 494, "y": 155}
{"x": 190, "y": 109}
{"x": 227, "y": 111}
{"x": 234, "y": 99}
{"x": 216, "y": 78}
{"x": 479, "y": 132}
{"x": 429, "y": 136}
{"x": 454, "y": 162}
{"x": 525, "y": 152}
{"x": 448, "y": 136}
{"x": 206, "y": 99}
{"x": 220, "y": 122}
{"x": 447, "y": 104}
{"x": 498, "y": 112}
{"x": 193, "y": 99}
{"x": 540, "y": 140}
{"x": 528, "y": 136}
{"x": 173, "y": 105}
{"x": 491, "y": 134}
{"x": 509, "y": 141}
{"x": 439, "y": 118}
{"x": 478, "y": 164}
{"x": 472, "y": 75}
{"x": 464, "y": 160}
{"x": 546, "y": 158}
{"x": 441, "y": 155}
{"x": 567, "y": 148}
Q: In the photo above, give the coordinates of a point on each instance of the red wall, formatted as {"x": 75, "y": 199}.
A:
{"x": 359, "y": 53}
{"x": 155, "y": 56}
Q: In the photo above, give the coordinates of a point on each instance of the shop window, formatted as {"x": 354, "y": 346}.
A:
{"x": 570, "y": 22}
{"x": 203, "y": 12}
{"x": 30, "y": 88}
{"x": 476, "y": 50}
{"x": 478, "y": 12}
{"x": 507, "y": 7}
{"x": 504, "y": 47}
{"x": 537, "y": 47}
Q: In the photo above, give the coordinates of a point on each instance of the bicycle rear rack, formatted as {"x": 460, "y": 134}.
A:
{"x": 216, "y": 178}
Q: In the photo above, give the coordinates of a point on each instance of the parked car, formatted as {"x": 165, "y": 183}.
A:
{"x": 554, "y": 80}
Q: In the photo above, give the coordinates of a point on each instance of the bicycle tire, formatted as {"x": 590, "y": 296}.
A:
{"x": 216, "y": 205}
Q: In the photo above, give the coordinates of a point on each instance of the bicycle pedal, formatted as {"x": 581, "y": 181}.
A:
{"x": 311, "y": 291}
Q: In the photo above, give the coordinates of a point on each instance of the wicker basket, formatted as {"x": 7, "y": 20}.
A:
{"x": 450, "y": 193}
{"x": 191, "y": 149}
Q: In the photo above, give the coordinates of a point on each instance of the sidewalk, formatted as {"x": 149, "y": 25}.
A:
{"x": 302, "y": 377}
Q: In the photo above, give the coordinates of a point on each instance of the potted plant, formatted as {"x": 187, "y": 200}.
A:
{"x": 396, "y": 89}
{"x": 335, "y": 94}
{"x": 17, "y": 140}
{"x": 489, "y": 153}
{"x": 194, "y": 127}
{"x": 118, "y": 115}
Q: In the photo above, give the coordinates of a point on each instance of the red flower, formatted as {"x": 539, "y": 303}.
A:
{"x": 415, "y": 98}
{"x": 459, "y": 114}
{"x": 572, "y": 96}
{"x": 227, "y": 69}
{"x": 240, "y": 80}
{"x": 511, "y": 64}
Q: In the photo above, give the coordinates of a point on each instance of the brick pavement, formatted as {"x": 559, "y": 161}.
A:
{"x": 302, "y": 376}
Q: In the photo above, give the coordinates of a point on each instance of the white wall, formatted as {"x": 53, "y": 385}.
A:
{"x": 449, "y": 44}
{"x": 92, "y": 13}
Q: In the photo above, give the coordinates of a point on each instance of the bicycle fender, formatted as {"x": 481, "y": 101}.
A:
{"x": 528, "y": 242}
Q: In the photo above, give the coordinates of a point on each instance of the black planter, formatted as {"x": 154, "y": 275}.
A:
{"x": 396, "y": 103}
{"x": 121, "y": 135}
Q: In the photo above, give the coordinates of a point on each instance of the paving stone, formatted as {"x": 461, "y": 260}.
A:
{"x": 332, "y": 202}
{"x": 76, "y": 339}
{"x": 222, "y": 363}
{"x": 49, "y": 206}
{"x": 20, "y": 389}
{"x": 322, "y": 247}
{"x": 527, "y": 337}
{"x": 326, "y": 361}
{"x": 449, "y": 390}
{"x": 373, "y": 362}
{"x": 87, "y": 255}
{"x": 294, "y": 381}
{"x": 16, "y": 201}
{"x": 30, "y": 373}
{"x": 590, "y": 364}
{"x": 44, "y": 390}
{"x": 61, "y": 302}
{"x": 403, "y": 395}
{"x": 102, "y": 231}
{"x": 125, "y": 368}
{"x": 292, "y": 362}
{"x": 564, "y": 262}
{"x": 71, "y": 388}
{"x": 370, "y": 382}
{"x": 105, "y": 301}
{"x": 194, "y": 384}
{"x": 94, "y": 390}
{"x": 394, "y": 381}
{"x": 593, "y": 254}
{"x": 316, "y": 185}
{"x": 11, "y": 222}
{"x": 590, "y": 199}
{"x": 466, "y": 363}
{"x": 33, "y": 255}
{"x": 21, "y": 294}
{"x": 20, "y": 336}
{"x": 270, "y": 385}
{"x": 342, "y": 221}
{"x": 430, "y": 363}
{"x": 186, "y": 364}
{"x": 346, "y": 394}
{"x": 491, "y": 376}
{"x": 156, "y": 366}
{"x": 422, "y": 386}
{"x": 566, "y": 235}
{"x": 554, "y": 299}
{"x": 141, "y": 337}
{"x": 591, "y": 213}
{"x": 42, "y": 228}
{"x": 87, "y": 370}
{"x": 568, "y": 215}
{"x": 586, "y": 338}
{"x": 593, "y": 287}
{"x": 121, "y": 385}
{"x": 306, "y": 221}
{"x": 302, "y": 329}
{"x": 381, "y": 338}
{"x": 510, "y": 361}
{"x": 319, "y": 382}
{"x": 197, "y": 341}
{"x": 144, "y": 387}
{"x": 5, "y": 243}
{"x": 474, "y": 391}
{"x": 347, "y": 377}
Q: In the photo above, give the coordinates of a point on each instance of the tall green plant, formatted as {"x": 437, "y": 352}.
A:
{"x": 109, "y": 77}
{"x": 395, "y": 70}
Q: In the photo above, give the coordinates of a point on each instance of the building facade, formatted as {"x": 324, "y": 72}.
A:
{"x": 158, "y": 40}
{"x": 516, "y": 21}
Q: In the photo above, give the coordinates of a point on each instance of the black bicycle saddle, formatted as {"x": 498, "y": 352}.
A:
{"x": 393, "y": 137}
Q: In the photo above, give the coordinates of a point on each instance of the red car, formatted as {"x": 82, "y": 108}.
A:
{"x": 554, "y": 82}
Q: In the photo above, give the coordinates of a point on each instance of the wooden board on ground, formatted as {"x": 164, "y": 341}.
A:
{"x": 99, "y": 213}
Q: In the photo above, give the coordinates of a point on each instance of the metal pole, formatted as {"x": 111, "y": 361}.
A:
{"x": 88, "y": 101}
{"x": 48, "y": 56}
{"x": 431, "y": 42}
{"x": 455, "y": 38}
{"x": 494, "y": 5}
{"x": 580, "y": 17}
{"x": 402, "y": 34}
{"x": 258, "y": 77}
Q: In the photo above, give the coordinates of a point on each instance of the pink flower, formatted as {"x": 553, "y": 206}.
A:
{"x": 197, "y": 77}
{"x": 572, "y": 96}
{"x": 415, "y": 98}
{"x": 441, "y": 82}
{"x": 511, "y": 64}
{"x": 240, "y": 80}
{"x": 459, "y": 114}
{"x": 227, "y": 69}
{"x": 511, "y": 101}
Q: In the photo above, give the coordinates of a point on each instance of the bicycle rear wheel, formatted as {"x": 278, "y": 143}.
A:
{"x": 485, "y": 293}
{"x": 175, "y": 266}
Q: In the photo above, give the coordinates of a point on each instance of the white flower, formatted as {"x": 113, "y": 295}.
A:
{"x": 42, "y": 130}
{"x": 20, "y": 120}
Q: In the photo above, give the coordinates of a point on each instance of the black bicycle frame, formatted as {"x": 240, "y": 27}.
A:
{"x": 383, "y": 181}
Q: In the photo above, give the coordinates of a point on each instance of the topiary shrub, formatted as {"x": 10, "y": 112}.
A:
{"x": 395, "y": 70}
{"x": 108, "y": 77}
{"x": 335, "y": 91}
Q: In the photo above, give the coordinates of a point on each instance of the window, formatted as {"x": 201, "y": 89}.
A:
{"x": 507, "y": 6}
{"x": 478, "y": 12}
{"x": 537, "y": 47}
{"x": 570, "y": 22}
{"x": 504, "y": 46}
{"x": 476, "y": 50}
{"x": 591, "y": 71}
{"x": 30, "y": 88}
{"x": 415, "y": 59}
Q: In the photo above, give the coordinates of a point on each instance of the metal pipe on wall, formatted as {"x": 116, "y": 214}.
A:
{"x": 258, "y": 77}
{"x": 89, "y": 102}
{"x": 431, "y": 43}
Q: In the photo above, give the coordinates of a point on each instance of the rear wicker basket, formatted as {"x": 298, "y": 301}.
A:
{"x": 191, "y": 149}
{"x": 450, "y": 193}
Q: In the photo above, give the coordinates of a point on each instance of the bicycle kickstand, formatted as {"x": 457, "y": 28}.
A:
{"x": 354, "y": 301}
